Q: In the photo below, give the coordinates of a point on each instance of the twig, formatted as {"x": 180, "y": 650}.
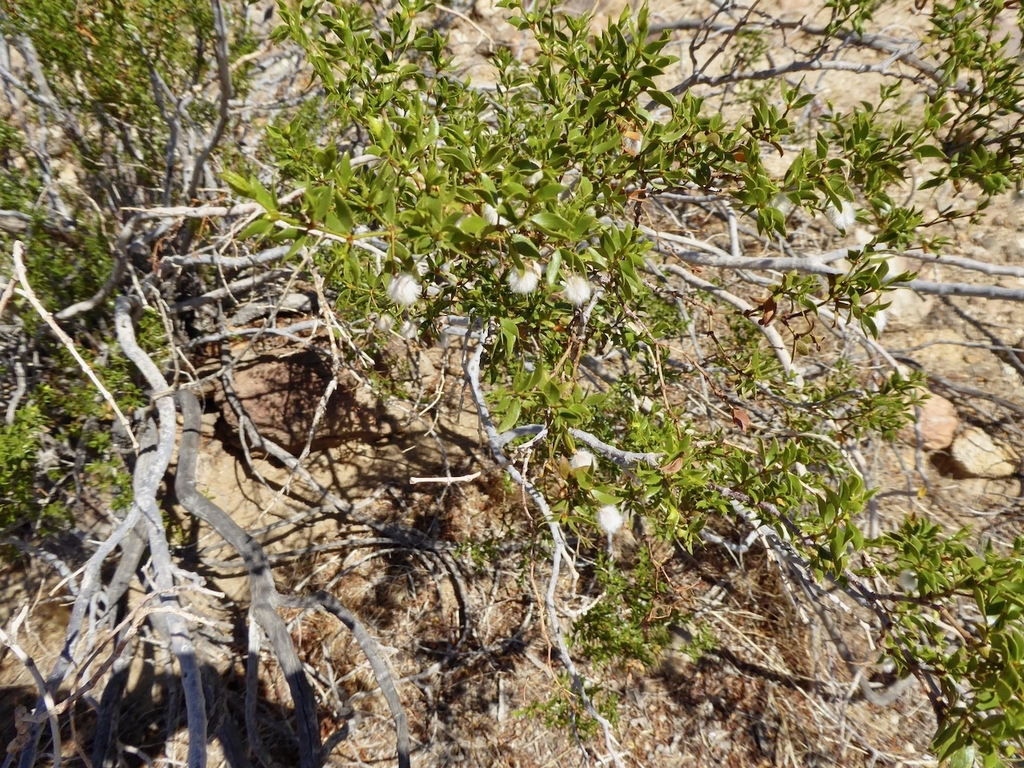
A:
{"x": 28, "y": 293}
{"x": 773, "y": 336}
{"x": 224, "y": 76}
{"x": 616, "y": 455}
{"x": 239, "y": 286}
{"x": 446, "y": 480}
{"x": 21, "y": 382}
{"x": 226, "y": 262}
{"x": 7, "y": 294}
{"x": 44, "y": 692}
{"x": 88, "y": 588}
{"x": 381, "y": 672}
{"x": 466, "y": 19}
{"x": 120, "y": 266}
{"x": 709, "y": 256}
{"x": 472, "y": 374}
{"x": 198, "y": 211}
{"x": 107, "y": 715}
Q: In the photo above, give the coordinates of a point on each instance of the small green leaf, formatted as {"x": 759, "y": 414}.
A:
{"x": 509, "y": 334}
{"x": 963, "y": 757}
{"x": 525, "y": 247}
{"x": 239, "y": 184}
{"x": 551, "y": 223}
{"x": 551, "y": 274}
{"x": 259, "y": 227}
{"x": 603, "y": 497}
{"x": 511, "y": 416}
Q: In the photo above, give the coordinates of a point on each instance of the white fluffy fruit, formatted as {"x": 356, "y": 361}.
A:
{"x": 577, "y": 290}
{"x": 404, "y": 289}
{"x": 524, "y": 281}
{"x": 841, "y": 219}
{"x": 581, "y": 460}
{"x": 385, "y": 323}
{"x": 610, "y": 519}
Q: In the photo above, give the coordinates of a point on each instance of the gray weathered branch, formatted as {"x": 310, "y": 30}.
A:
{"x": 224, "y": 78}
{"x": 263, "y": 595}
{"x": 145, "y": 488}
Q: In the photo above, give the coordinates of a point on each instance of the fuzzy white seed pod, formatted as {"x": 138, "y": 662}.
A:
{"x": 841, "y": 219}
{"x": 610, "y": 519}
{"x": 577, "y": 290}
{"x": 524, "y": 281}
{"x": 404, "y": 289}
{"x": 632, "y": 143}
{"x": 384, "y": 324}
{"x": 581, "y": 460}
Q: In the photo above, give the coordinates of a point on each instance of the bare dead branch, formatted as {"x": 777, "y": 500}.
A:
{"x": 446, "y": 480}
{"x": 145, "y": 487}
{"x": 381, "y": 671}
{"x": 67, "y": 341}
{"x": 263, "y": 595}
{"x": 709, "y": 256}
{"x": 30, "y": 665}
{"x": 472, "y": 374}
{"x": 106, "y": 717}
{"x": 226, "y": 263}
{"x": 224, "y": 78}
{"x": 775, "y": 340}
{"x": 239, "y": 287}
{"x": 120, "y": 266}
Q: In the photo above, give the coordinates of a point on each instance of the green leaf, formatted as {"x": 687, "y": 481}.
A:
{"x": 929, "y": 151}
{"x": 525, "y": 247}
{"x": 342, "y": 214}
{"x": 509, "y": 334}
{"x": 473, "y": 224}
{"x": 551, "y": 273}
{"x": 239, "y": 184}
{"x": 963, "y": 757}
{"x": 551, "y": 223}
{"x": 511, "y": 417}
{"x": 603, "y": 497}
{"x": 259, "y": 227}
{"x": 261, "y": 195}
{"x": 549, "y": 192}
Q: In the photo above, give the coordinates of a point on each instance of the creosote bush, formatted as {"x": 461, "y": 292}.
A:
{"x": 517, "y": 211}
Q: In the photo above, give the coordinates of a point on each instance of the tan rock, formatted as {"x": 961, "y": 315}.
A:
{"x": 938, "y": 423}
{"x": 975, "y": 454}
{"x": 906, "y": 309}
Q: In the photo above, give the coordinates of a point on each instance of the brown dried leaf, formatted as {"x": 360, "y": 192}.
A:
{"x": 741, "y": 419}
{"x": 673, "y": 466}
